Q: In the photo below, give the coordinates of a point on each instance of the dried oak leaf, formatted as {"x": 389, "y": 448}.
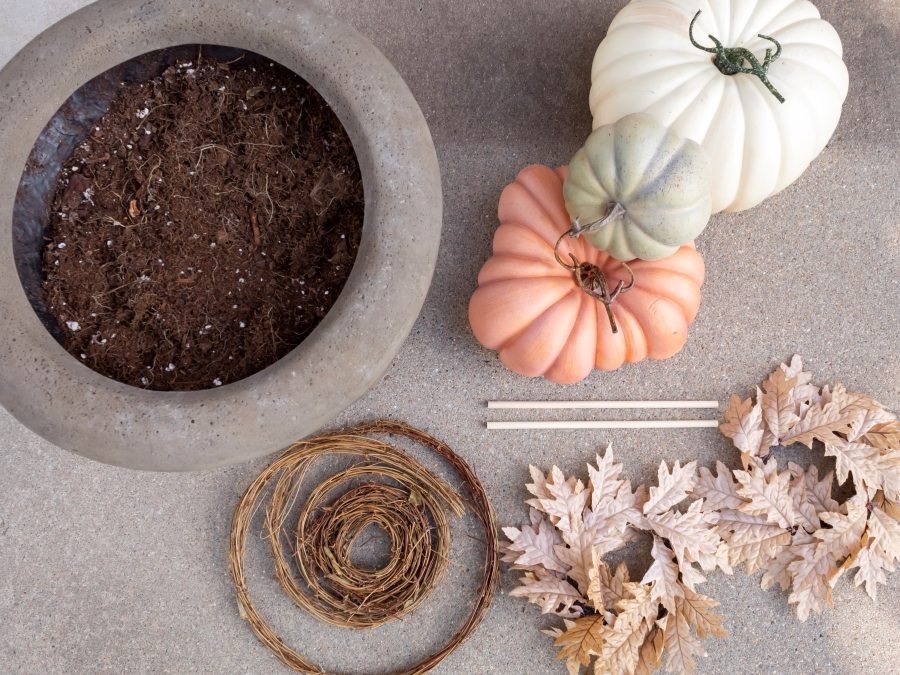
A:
{"x": 582, "y": 640}
{"x": 604, "y": 479}
{"x": 673, "y": 487}
{"x": 825, "y": 419}
{"x": 564, "y": 501}
{"x": 884, "y": 535}
{"x": 681, "y": 645}
{"x": 810, "y": 576}
{"x": 769, "y": 496}
{"x": 554, "y": 595}
{"x": 650, "y": 658}
{"x": 534, "y": 546}
{"x": 606, "y": 590}
{"x": 818, "y": 492}
{"x": 612, "y": 519}
{"x": 843, "y": 537}
{"x": 747, "y": 539}
{"x": 720, "y": 491}
{"x": 695, "y": 608}
{"x": 885, "y": 437}
{"x": 663, "y": 574}
{"x": 778, "y": 407}
{"x": 744, "y": 425}
{"x": 806, "y": 514}
{"x": 690, "y": 537}
{"x": 622, "y": 641}
{"x": 863, "y": 460}
{"x": 577, "y": 552}
{"x": 871, "y": 571}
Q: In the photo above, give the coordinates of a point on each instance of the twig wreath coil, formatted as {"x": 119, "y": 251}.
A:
{"x": 413, "y": 516}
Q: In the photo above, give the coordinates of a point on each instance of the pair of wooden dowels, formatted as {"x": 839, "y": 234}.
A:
{"x": 603, "y": 405}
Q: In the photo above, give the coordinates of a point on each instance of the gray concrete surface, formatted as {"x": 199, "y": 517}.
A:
{"x": 109, "y": 570}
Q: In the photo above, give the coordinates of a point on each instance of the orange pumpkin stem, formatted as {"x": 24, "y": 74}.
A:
{"x": 592, "y": 281}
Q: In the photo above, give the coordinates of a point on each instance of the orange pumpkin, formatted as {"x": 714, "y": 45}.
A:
{"x": 531, "y": 310}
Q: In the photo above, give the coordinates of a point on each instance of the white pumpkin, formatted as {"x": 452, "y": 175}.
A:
{"x": 642, "y": 187}
{"x": 756, "y": 144}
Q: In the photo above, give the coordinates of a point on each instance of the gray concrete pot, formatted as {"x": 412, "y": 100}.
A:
{"x": 77, "y": 409}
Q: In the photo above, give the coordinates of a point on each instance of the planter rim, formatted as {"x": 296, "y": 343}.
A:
{"x": 80, "y": 410}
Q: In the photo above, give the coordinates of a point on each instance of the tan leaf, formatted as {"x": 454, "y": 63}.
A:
{"x": 720, "y": 492}
{"x": 849, "y": 562}
{"x": 859, "y": 458}
{"x": 889, "y": 466}
{"x": 892, "y": 509}
{"x": 749, "y": 539}
{"x": 805, "y": 510}
{"x": 871, "y": 570}
{"x": 818, "y": 492}
{"x": 577, "y": 554}
{"x": 843, "y": 538}
{"x": 689, "y": 534}
{"x": 810, "y": 575}
{"x": 538, "y": 488}
{"x": 744, "y": 426}
{"x": 554, "y": 595}
{"x": 581, "y": 641}
{"x": 824, "y": 419}
{"x": 566, "y": 503}
{"x": 681, "y": 645}
{"x": 695, "y": 608}
{"x": 533, "y": 546}
{"x": 663, "y": 574}
{"x": 770, "y": 497}
{"x": 604, "y": 479}
{"x": 607, "y": 590}
{"x": 884, "y": 535}
{"x": 611, "y": 518}
{"x": 777, "y": 567}
{"x": 806, "y": 396}
{"x": 869, "y": 420}
{"x": 795, "y": 369}
{"x": 622, "y": 641}
{"x": 884, "y": 436}
{"x": 673, "y": 487}
{"x": 650, "y": 659}
{"x": 778, "y": 403}
{"x": 554, "y": 632}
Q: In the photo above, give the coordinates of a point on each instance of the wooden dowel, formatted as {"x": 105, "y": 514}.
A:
{"x": 629, "y": 424}
{"x": 608, "y": 405}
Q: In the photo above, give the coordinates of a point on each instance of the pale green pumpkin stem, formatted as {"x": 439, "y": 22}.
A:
{"x": 730, "y": 60}
{"x": 614, "y": 210}
{"x": 590, "y": 278}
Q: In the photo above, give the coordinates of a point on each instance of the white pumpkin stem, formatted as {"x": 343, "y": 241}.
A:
{"x": 730, "y": 61}
{"x": 614, "y": 211}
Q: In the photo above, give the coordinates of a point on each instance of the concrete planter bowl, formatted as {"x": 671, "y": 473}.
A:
{"x": 79, "y": 410}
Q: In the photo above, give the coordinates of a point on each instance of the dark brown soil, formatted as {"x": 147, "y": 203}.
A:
{"x": 204, "y": 228}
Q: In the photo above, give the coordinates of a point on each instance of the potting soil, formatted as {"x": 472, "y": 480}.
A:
{"x": 204, "y": 228}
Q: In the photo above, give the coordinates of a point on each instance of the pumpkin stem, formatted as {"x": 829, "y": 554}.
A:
{"x": 614, "y": 210}
{"x": 730, "y": 60}
{"x": 592, "y": 280}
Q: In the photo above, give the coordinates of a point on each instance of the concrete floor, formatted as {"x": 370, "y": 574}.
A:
{"x": 109, "y": 570}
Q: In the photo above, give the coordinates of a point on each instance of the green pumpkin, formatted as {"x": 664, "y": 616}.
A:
{"x": 638, "y": 190}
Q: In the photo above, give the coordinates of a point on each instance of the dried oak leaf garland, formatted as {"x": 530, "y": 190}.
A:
{"x": 787, "y": 522}
{"x": 622, "y": 625}
{"x": 411, "y": 509}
